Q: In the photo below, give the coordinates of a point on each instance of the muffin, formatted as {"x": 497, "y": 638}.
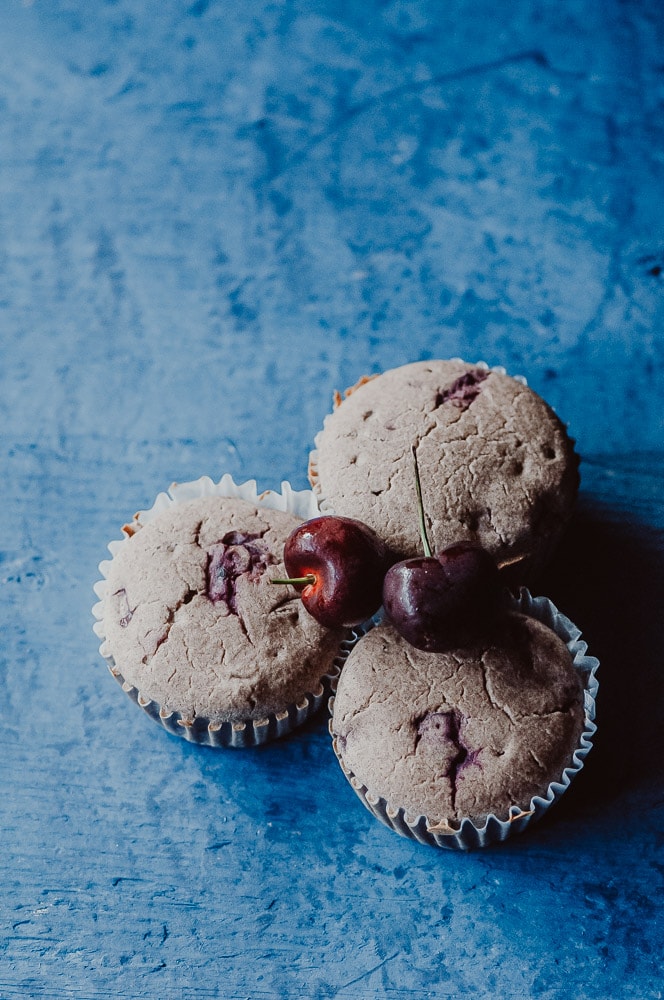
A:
{"x": 458, "y": 749}
{"x": 198, "y": 635}
{"x": 496, "y": 464}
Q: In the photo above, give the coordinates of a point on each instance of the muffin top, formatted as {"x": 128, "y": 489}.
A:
{"x": 192, "y": 620}
{"x": 496, "y": 464}
{"x": 461, "y": 734}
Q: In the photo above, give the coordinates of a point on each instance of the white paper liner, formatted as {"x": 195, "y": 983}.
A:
{"x": 465, "y": 835}
{"x": 530, "y": 565}
{"x": 250, "y": 732}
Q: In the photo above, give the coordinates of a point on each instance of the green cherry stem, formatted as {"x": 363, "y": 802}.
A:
{"x": 297, "y": 580}
{"x": 420, "y": 507}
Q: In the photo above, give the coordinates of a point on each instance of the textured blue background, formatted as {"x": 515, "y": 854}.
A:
{"x": 211, "y": 216}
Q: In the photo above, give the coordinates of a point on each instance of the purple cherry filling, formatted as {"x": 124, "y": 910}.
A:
{"x": 236, "y": 555}
{"x": 463, "y": 391}
{"x": 443, "y": 731}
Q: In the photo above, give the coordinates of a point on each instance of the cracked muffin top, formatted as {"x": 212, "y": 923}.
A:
{"x": 496, "y": 464}
{"x": 193, "y": 622}
{"x": 461, "y": 734}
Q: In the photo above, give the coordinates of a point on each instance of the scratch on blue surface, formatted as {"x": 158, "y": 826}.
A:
{"x": 370, "y": 972}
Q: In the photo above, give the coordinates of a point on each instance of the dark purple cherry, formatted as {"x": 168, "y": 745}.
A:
{"x": 437, "y": 602}
{"x": 338, "y": 565}
{"x": 443, "y": 601}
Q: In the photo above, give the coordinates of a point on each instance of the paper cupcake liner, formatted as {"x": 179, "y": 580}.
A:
{"x": 209, "y": 732}
{"x": 465, "y": 835}
{"x": 529, "y": 566}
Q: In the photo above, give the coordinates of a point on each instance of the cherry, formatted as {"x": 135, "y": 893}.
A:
{"x": 443, "y": 601}
{"x": 338, "y": 564}
{"x": 437, "y": 602}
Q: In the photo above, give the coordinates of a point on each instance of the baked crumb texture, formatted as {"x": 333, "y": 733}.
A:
{"x": 193, "y": 624}
{"x": 463, "y": 734}
{"x": 496, "y": 463}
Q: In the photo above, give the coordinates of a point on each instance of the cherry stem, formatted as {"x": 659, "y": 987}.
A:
{"x": 420, "y": 507}
{"x": 296, "y": 580}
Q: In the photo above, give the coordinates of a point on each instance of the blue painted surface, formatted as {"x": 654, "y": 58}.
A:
{"x": 211, "y": 216}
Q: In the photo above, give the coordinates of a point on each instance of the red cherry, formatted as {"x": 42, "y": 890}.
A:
{"x": 444, "y": 601}
{"x": 338, "y": 564}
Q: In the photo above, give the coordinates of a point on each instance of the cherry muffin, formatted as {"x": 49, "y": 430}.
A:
{"x": 496, "y": 464}
{"x": 195, "y": 632}
{"x": 461, "y": 748}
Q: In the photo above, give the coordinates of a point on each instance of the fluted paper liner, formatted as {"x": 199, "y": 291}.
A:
{"x": 245, "y": 733}
{"x": 465, "y": 834}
